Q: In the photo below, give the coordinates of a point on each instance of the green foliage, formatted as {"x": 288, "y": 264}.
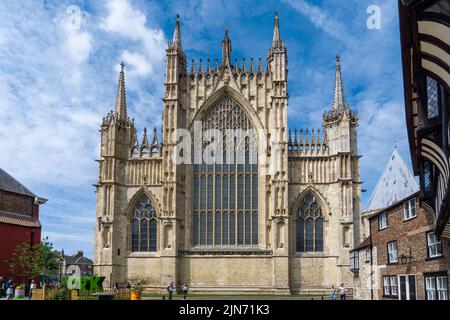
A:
{"x": 139, "y": 286}
{"x": 48, "y": 262}
{"x": 28, "y": 261}
{"x": 24, "y": 261}
{"x": 61, "y": 294}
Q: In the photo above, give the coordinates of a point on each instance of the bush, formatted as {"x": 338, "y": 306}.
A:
{"x": 60, "y": 294}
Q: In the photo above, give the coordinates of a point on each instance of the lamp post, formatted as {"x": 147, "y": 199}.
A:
{"x": 404, "y": 259}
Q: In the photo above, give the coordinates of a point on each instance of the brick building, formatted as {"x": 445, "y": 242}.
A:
{"x": 19, "y": 218}
{"x": 77, "y": 262}
{"x": 402, "y": 258}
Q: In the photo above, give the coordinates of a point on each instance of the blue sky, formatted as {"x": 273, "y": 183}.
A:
{"x": 59, "y": 64}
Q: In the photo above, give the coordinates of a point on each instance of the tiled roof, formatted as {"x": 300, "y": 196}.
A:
{"x": 366, "y": 243}
{"x": 8, "y": 183}
{"x": 18, "y": 219}
{"x": 396, "y": 183}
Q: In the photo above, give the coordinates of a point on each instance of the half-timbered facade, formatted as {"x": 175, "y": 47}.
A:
{"x": 425, "y": 39}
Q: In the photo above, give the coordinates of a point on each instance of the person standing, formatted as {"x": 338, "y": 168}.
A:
{"x": 185, "y": 290}
{"x": 342, "y": 291}
{"x": 128, "y": 285}
{"x": 32, "y": 287}
{"x": 333, "y": 293}
{"x": 170, "y": 289}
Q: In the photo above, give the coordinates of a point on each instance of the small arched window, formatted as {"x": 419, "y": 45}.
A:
{"x": 144, "y": 227}
{"x": 309, "y": 226}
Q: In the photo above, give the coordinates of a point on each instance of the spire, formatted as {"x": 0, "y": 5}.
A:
{"x": 226, "y": 49}
{"x": 121, "y": 100}
{"x": 177, "y": 34}
{"x": 338, "y": 98}
{"x": 155, "y": 143}
{"x": 276, "y": 32}
{"x": 144, "y": 145}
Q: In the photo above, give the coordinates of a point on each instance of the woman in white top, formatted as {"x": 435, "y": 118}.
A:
{"x": 32, "y": 287}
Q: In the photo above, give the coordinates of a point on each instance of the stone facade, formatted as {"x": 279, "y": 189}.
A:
{"x": 291, "y": 165}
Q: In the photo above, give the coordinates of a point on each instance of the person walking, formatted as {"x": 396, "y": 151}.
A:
{"x": 333, "y": 293}
{"x": 2, "y": 287}
{"x": 10, "y": 289}
{"x": 32, "y": 287}
{"x": 170, "y": 289}
{"x": 342, "y": 291}
{"x": 185, "y": 290}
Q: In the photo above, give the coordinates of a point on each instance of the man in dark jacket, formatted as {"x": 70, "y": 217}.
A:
{"x": 2, "y": 287}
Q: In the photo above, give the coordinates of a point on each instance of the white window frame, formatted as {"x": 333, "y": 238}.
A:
{"x": 382, "y": 221}
{"x": 368, "y": 255}
{"x": 442, "y": 287}
{"x": 392, "y": 250}
{"x": 354, "y": 260}
{"x": 386, "y": 286}
{"x": 393, "y": 282}
{"x": 390, "y": 286}
{"x": 436, "y": 287}
{"x": 434, "y": 246}
{"x": 430, "y": 288}
{"x": 409, "y": 209}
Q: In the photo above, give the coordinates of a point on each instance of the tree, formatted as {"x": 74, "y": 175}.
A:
{"x": 24, "y": 262}
{"x": 27, "y": 261}
{"x": 48, "y": 262}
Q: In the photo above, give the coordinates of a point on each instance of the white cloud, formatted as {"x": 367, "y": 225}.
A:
{"x": 131, "y": 23}
{"x": 139, "y": 65}
{"x": 56, "y": 84}
{"x": 321, "y": 19}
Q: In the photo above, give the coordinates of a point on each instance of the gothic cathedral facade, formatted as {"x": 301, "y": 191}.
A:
{"x": 283, "y": 222}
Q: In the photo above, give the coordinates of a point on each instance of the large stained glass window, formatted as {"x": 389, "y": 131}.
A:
{"x": 309, "y": 226}
{"x": 144, "y": 227}
{"x": 226, "y": 189}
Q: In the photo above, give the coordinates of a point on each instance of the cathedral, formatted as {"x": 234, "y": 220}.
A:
{"x": 274, "y": 210}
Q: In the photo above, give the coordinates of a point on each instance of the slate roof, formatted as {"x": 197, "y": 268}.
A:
{"x": 8, "y": 183}
{"x": 365, "y": 244}
{"x": 396, "y": 183}
{"x": 76, "y": 259}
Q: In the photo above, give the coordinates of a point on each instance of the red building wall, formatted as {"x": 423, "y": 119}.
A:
{"x": 10, "y": 237}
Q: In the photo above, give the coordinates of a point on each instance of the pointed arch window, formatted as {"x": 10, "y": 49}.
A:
{"x": 144, "y": 226}
{"x": 228, "y": 187}
{"x": 309, "y": 226}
